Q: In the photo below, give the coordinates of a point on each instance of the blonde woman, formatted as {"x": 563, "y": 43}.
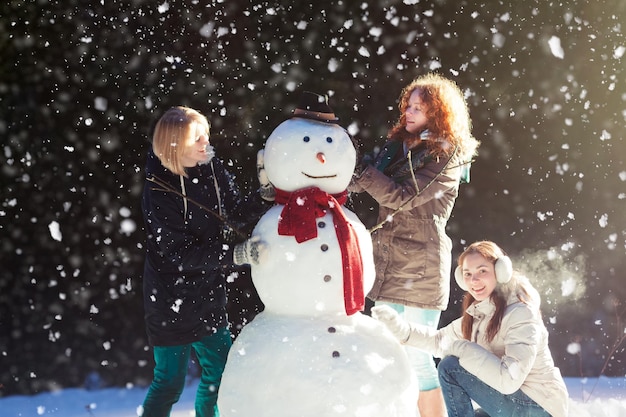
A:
{"x": 187, "y": 195}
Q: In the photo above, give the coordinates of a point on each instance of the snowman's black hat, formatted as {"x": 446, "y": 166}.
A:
{"x": 315, "y": 107}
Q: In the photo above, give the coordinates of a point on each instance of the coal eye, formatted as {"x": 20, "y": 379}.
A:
{"x": 329, "y": 139}
{"x": 306, "y": 138}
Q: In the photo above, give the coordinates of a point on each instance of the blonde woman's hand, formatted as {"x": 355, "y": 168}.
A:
{"x": 253, "y": 251}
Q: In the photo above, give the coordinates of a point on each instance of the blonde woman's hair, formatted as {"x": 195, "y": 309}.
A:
{"x": 170, "y": 133}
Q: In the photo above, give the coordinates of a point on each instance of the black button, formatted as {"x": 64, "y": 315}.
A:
{"x": 324, "y": 247}
{"x": 327, "y": 278}
{"x": 321, "y": 225}
{"x": 335, "y": 354}
{"x": 331, "y": 329}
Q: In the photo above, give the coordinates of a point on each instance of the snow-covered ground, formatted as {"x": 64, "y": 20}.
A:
{"x": 589, "y": 397}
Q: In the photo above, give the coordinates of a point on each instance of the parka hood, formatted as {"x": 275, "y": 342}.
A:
{"x": 519, "y": 288}
{"x": 153, "y": 165}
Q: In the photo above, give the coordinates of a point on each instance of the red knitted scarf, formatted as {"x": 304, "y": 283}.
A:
{"x": 297, "y": 219}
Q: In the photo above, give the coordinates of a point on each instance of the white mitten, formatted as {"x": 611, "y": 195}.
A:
{"x": 396, "y": 324}
{"x": 267, "y": 190}
{"x": 252, "y": 251}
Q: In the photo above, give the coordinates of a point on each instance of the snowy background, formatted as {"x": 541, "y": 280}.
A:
{"x": 81, "y": 86}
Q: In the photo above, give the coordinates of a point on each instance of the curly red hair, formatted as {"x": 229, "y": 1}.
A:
{"x": 447, "y": 114}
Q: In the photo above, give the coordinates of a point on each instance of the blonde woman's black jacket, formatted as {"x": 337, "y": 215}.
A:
{"x": 186, "y": 255}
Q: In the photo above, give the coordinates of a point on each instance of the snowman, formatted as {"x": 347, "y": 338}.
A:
{"x": 311, "y": 352}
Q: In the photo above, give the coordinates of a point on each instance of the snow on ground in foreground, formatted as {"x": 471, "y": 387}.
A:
{"x": 589, "y": 397}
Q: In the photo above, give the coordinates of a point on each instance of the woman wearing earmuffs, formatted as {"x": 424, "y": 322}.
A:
{"x": 497, "y": 353}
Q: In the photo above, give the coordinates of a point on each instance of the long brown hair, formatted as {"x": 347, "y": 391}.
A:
{"x": 170, "y": 133}
{"x": 447, "y": 114}
{"x": 499, "y": 297}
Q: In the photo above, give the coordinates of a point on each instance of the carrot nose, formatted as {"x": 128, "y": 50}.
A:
{"x": 321, "y": 157}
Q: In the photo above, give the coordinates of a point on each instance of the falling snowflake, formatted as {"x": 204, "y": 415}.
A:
{"x": 573, "y": 348}
{"x": 555, "y": 47}
{"x": 568, "y": 287}
{"x": 55, "y": 231}
{"x": 176, "y": 306}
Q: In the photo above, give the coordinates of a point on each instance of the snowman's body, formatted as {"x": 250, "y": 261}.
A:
{"x": 304, "y": 355}
{"x": 306, "y": 278}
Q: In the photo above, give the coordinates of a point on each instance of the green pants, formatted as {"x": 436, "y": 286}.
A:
{"x": 170, "y": 371}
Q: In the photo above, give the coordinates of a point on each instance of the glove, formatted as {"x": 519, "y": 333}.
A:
{"x": 396, "y": 324}
{"x": 366, "y": 161}
{"x": 267, "y": 190}
{"x": 252, "y": 251}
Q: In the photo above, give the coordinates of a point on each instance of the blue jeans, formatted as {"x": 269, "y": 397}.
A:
{"x": 460, "y": 387}
{"x": 422, "y": 362}
{"x": 171, "y": 368}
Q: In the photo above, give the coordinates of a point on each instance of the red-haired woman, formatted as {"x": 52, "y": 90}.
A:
{"x": 415, "y": 179}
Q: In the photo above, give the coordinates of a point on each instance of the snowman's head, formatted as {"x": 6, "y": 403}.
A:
{"x": 302, "y": 153}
